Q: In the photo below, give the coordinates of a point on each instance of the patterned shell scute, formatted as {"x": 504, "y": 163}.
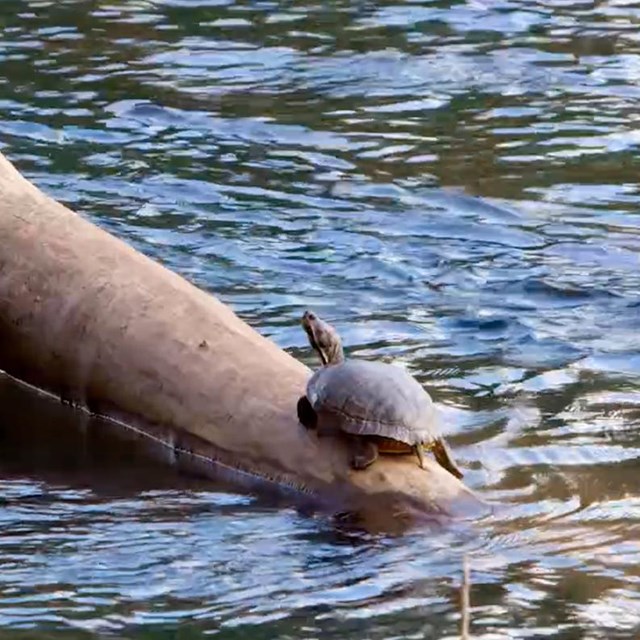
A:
{"x": 373, "y": 398}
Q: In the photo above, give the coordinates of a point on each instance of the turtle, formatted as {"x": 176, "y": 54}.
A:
{"x": 380, "y": 407}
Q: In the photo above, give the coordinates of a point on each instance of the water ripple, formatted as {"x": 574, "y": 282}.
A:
{"x": 454, "y": 185}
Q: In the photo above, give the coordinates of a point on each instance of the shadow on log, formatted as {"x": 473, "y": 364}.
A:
{"x": 86, "y": 317}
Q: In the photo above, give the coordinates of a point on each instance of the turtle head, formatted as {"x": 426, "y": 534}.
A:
{"x": 323, "y": 338}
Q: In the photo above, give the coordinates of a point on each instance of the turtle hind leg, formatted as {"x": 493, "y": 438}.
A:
{"x": 364, "y": 452}
{"x": 444, "y": 459}
{"x": 306, "y": 413}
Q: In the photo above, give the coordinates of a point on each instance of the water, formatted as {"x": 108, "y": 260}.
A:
{"x": 455, "y": 185}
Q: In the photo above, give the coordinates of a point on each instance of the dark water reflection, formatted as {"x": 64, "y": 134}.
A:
{"x": 456, "y": 186}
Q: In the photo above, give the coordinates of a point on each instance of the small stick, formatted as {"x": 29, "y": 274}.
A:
{"x": 464, "y": 597}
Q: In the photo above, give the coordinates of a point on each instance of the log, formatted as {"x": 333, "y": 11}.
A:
{"x": 86, "y": 317}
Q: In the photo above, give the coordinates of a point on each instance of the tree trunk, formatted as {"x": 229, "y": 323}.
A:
{"x": 86, "y": 317}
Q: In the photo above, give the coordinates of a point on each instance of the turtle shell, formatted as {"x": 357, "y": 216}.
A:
{"x": 374, "y": 399}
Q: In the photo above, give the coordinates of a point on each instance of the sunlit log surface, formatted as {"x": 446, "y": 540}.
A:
{"x": 86, "y": 317}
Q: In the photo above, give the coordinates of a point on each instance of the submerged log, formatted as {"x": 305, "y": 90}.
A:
{"x": 86, "y": 317}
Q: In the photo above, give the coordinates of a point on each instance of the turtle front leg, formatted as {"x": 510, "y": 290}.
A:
{"x": 306, "y": 414}
{"x": 420, "y": 453}
{"x": 364, "y": 452}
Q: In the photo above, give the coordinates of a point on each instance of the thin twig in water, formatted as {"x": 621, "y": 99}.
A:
{"x": 464, "y": 599}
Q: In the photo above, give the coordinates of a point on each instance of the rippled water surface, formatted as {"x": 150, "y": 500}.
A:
{"x": 456, "y": 186}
